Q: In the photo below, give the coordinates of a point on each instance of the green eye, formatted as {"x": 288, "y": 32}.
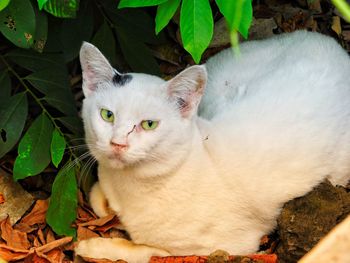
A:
{"x": 149, "y": 125}
{"x": 107, "y": 115}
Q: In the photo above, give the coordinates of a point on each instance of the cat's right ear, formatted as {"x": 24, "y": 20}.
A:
{"x": 187, "y": 88}
{"x": 95, "y": 67}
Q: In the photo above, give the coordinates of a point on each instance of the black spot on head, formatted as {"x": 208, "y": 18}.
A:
{"x": 121, "y": 79}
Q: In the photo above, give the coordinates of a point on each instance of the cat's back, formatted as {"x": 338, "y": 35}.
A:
{"x": 284, "y": 60}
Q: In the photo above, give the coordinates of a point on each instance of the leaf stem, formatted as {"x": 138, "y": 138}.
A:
{"x": 38, "y": 101}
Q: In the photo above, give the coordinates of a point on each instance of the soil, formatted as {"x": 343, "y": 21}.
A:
{"x": 305, "y": 220}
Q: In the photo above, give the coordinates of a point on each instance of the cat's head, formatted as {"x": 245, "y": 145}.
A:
{"x": 138, "y": 121}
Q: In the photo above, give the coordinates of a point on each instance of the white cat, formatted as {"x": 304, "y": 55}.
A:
{"x": 272, "y": 124}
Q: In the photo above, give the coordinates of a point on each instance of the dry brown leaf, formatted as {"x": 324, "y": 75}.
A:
{"x": 2, "y": 198}
{"x": 11, "y": 254}
{"x": 85, "y": 233}
{"x": 36, "y": 242}
{"x": 24, "y": 228}
{"x": 54, "y": 244}
{"x": 13, "y": 237}
{"x": 336, "y": 25}
{"x": 50, "y": 236}
{"x": 55, "y": 255}
{"x": 99, "y": 222}
{"x": 38, "y": 213}
{"x": 85, "y": 215}
{"x": 113, "y": 223}
{"x": 36, "y": 258}
{"x": 41, "y": 237}
{"x": 94, "y": 260}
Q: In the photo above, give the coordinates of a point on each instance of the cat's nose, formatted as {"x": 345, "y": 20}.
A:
{"x": 119, "y": 146}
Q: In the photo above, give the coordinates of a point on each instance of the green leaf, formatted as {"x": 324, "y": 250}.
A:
{"x": 238, "y": 14}
{"x": 13, "y": 114}
{"x": 34, "y": 149}
{"x": 136, "y": 53}
{"x": 196, "y": 26}
{"x": 138, "y": 23}
{"x": 54, "y": 84}
{"x": 75, "y": 31}
{"x": 33, "y": 61}
{"x": 72, "y": 123}
{"x": 62, "y": 209}
{"x": 105, "y": 35}
{"x": 41, "y": 3}
{"x": 139, "y": 3}
{"x": 5, "y": 85}
{"x": 17, "y": 23}
{"x": 165, "y": 12}
{"x": 62, "y": 8}
{"x": 3, "y": 4}
{"x": 58, "y": 145}
{"x": 40, "y": 36}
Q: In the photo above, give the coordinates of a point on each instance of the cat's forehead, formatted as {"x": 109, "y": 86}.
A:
{"x": 139, "y": 94}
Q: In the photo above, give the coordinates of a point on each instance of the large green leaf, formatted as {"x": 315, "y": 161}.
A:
{"x": 138, "y": 23}
{"x": 73, "y": 123}
{"x": 165, "y": 12}
{"x": 139, "y": 3}
{"x": 34, "y": 149}
{"x": 17, "y": 23}
{"x": 58, "y": 145}
{"x": 33, "y": 61}
{"x": 136, "y": 53}
{"x": 238, "y": 14}
{"x": 3, "y": 4}
{"x": 62, "y": 209}
{"x": 196, "y": 26}
{"x": 75, "y": 31}
{"x": 13, "y": 114}
{"x": 40, "y": 36}
{"x": 5, "y": 85}
{"x": 62, "y": 8}
{"x": 54, "y": 84}
{"x": 105, "y": 35}
{"x": 41, "y": 3}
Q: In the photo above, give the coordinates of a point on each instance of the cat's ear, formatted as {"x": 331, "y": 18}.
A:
{"x": 187, "y": 89}
{"x": 95, "y": 67}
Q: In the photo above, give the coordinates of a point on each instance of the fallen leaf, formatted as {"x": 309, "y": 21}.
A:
{"x": 95, "y": 260}
{"x": 24, "y": 228}
{"x": 38, "y": 213}
{"x": 55, "y": 255}
{"x": 11, "y": 254}
{"x": 50, "y": 236}
{"x": 54, "y": 244}
{"x": 99, "y": 222}
{"x": 336, "y": 25}
{"x": 17, "y": 200}
{"x": 2, "y": 199}
{"x": 85, "y": 233}
{"x": 13, "y": 237}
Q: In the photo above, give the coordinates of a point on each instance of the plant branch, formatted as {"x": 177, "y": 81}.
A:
{"x": 38, "y": 101}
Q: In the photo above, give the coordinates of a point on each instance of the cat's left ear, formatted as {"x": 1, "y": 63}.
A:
{"x": 187, "y": 89}
{"x": 95, "y": 67}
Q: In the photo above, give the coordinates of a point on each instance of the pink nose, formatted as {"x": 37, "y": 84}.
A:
{"x": 119, "y": 146}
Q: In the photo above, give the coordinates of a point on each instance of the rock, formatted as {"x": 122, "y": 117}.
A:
{"x": 305, "y": 220}
{"x": 16, "y": 200}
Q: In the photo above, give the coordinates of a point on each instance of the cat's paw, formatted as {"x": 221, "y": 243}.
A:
{"x": 99, "y": 202}
{"x": 117, "y": 248}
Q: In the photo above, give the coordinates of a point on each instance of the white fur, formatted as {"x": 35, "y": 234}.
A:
{"x": 274, "y": 123}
